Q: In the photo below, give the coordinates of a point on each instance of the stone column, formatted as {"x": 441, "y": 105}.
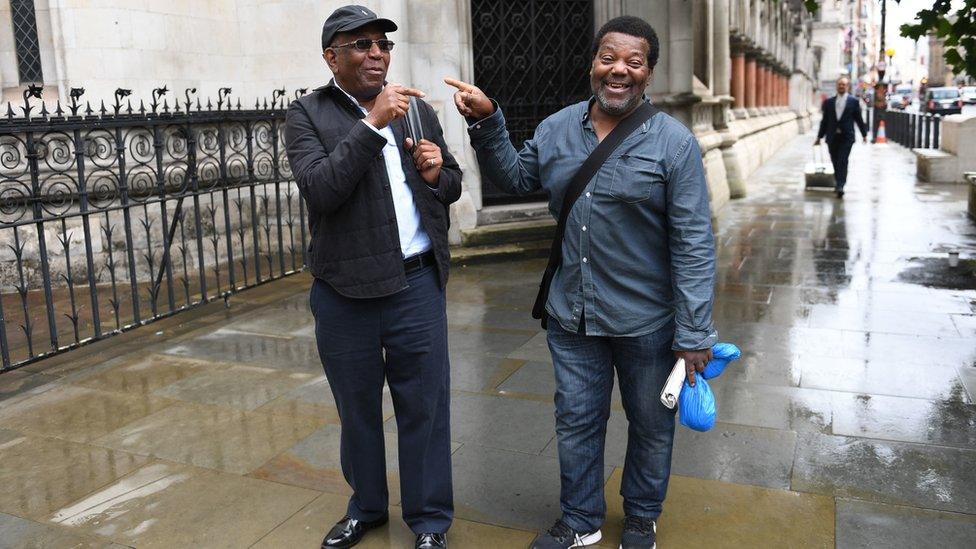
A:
{"x": 785, "y": 87}
{"x": 762, "y": 76}
{"x": 751, "y": 75}
{"x": 777, "y": 88}
{"x": 721, "y": 67}
{"x": 605, "y": 10}
{"x": 739, "y": 79}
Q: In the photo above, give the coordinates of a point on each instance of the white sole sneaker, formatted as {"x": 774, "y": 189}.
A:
{"x": 589, "y": 539}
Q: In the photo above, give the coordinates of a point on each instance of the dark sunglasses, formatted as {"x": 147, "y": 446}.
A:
{"x": 365, "y": 44}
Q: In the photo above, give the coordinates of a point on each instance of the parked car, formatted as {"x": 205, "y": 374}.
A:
{"x": 904, "y": 91}
{"x": 897, "y": 100}
{"x": 944, "y": 100}
{"x": 969, "y": 95}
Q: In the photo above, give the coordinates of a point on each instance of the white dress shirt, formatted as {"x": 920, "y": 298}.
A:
{"x": 839, "y": 105}
{"x": 413, "y": 238}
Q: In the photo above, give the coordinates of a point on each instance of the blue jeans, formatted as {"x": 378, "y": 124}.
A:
{"x": 584, "y": 381}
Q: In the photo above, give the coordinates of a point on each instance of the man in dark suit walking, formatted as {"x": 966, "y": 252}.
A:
{"x": 839, "y": 114}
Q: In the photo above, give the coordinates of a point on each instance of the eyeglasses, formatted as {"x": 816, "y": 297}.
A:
{"x": 365, "y": 44}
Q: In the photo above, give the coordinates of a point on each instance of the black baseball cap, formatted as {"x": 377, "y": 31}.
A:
{"x": 352, "y": 17}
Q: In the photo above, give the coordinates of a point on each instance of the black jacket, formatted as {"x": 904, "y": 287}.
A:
{"x": 336, "y": 161}
{"x": 842, "y": 129}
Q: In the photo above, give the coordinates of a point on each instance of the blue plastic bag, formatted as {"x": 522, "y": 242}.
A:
{"x": 722, "y": 354}
{"x": 696, "y": 405}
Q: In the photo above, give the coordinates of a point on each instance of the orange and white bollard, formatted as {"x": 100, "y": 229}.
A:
{"x": 880, "y": 138}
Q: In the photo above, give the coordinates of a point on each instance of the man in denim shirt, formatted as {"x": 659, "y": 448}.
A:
{"x": 636, "y": 283}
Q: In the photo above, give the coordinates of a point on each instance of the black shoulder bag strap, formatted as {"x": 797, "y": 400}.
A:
{"x": 582, "y": 177}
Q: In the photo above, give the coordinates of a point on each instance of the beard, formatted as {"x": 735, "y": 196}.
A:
{"x": 617, "y": 107}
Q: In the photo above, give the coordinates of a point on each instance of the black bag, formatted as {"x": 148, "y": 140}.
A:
{"x": 582, "y": 177}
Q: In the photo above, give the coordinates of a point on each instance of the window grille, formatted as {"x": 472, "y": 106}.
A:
{"x": 27, "y": 47}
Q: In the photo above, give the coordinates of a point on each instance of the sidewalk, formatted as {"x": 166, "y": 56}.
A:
{"x": 849, "y": 421}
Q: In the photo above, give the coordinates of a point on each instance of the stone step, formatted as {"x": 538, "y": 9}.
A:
{"x": 469, "y": 255}
{"x": 515, "y": 232}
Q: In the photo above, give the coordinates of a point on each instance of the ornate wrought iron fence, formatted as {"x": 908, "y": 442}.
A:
{"x": 113, "y": 217}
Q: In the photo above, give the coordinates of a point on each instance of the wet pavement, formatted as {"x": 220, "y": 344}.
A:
{"x": 848, "y": 422}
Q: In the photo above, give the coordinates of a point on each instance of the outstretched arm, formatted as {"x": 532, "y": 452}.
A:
{"x": 513, "y": 171}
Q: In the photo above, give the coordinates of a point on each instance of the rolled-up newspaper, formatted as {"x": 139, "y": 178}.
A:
{"x": 672, "y": 388}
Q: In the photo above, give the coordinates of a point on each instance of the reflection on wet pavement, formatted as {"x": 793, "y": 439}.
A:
{"x": 849, "y": 420}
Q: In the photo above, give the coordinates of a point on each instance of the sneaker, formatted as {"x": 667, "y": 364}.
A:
{"x": 561, "y": 536}
{"x": 639, "y": 533}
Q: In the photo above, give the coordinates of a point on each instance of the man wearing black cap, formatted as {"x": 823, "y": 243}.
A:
{"x": 378, "y": 212}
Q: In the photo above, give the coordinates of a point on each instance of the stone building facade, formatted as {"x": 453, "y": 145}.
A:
{"x": 846, "y": 42}
{"x": 741, "y": 73}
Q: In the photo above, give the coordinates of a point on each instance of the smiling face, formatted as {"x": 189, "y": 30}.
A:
{"x": 619, "y": 73}
{"x": 360, "y": 73}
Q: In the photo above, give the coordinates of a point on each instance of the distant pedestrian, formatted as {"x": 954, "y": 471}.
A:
{"x": 839, "y": 114}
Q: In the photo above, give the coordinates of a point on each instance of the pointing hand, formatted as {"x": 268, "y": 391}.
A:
{"x": 391, "y": 103}
{"x": 470, "y": 101}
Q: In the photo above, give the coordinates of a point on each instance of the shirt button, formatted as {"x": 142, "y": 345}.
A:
{"x": 584, "y": 228}
{"x": 587, "y": 194}
{"x": 477, "y": 127}
{"x": 584, "y": 260}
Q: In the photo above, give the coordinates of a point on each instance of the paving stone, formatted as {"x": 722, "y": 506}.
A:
{"x": 710, "y": 513}
{"x": 20, "y": 533}
{"x": 949, "y": 423}
{"x": 506, "y": 488}
{"x": 881, "y": 377}
{"x": 735, "y": 453}
{"x": 166, "y": 505}
{"x": 142, "y": 374}
{"x": 491, "y": 421}
{"x": 866, "y": 524}
{"x": 41, "y": 474}
{"x": 899, "y": 473}
{"x": 788, "y": 408}
{"x": 307, "y": 528}
{"x": 220, "y": 438}
{"x": 241, "y": 387}
{"x": 77, "y": 413}
{"x": 292, "y": 354}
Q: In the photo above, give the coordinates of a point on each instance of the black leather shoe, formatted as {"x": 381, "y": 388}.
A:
{"x": 349, "y": 531}
{"x": 431, "y": 541}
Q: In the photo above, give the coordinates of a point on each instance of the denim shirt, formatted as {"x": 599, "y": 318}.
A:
{"x": 638, "y": 249}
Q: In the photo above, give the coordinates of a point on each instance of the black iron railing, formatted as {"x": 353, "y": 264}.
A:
{"x": 112, "y": 217}
{"x": 913, "y": 129}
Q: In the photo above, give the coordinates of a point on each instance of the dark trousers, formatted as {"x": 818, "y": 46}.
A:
{"x": 584, "y": 367}
{"x": 840, "y": 152}
{"x": 401, "y": 339}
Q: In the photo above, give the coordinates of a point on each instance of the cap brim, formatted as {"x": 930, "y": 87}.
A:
{"x": 384, "y": 24}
